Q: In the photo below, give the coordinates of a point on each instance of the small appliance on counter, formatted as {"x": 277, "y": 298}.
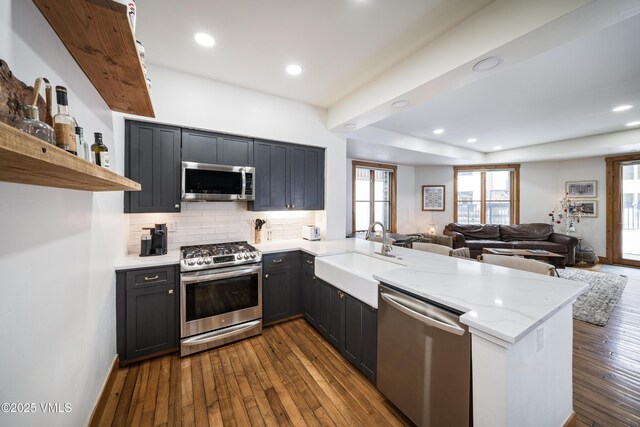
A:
{"x": 310, "y": 232}
{"x": 154, "y": 243}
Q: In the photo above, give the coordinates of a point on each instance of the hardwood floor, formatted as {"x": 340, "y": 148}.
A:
{"x": 291, "y": 376}
{"x": 287, "y": 376}
{"x": 606, "y": 362}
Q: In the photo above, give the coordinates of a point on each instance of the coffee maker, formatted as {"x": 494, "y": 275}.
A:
{"x": 154, "y": 243}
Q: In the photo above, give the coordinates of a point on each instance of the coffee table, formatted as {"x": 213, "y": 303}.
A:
{"x": 553, "y": 258}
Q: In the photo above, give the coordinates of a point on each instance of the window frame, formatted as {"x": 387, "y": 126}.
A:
{"x": 392, "y": 196}
{"x": 514, "y": 199}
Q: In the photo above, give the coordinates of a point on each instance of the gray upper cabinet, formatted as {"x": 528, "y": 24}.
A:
{"x": 152, "y": 158}
{"x": 208, "y": 147}
{"x": 199, "y": 146}
{"x": 288, "y": 177}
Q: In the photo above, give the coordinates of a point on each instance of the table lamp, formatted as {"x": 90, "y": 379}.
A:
{"x": 431, "y": 229}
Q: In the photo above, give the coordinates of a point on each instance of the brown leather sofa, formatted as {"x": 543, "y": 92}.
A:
{"x": 515, "y": 236}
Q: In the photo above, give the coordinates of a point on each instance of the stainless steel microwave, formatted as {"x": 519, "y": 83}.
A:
{"x": 203, "y": 182}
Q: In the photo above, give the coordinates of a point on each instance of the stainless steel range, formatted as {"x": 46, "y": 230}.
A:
{"x": 221, "y": 295}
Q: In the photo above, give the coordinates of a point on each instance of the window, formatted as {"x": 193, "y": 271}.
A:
{"x": 487, "y": 194}
{"x": 374, "y": 195}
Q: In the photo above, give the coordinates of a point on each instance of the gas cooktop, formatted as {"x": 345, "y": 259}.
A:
{"x": 203, "y": 257}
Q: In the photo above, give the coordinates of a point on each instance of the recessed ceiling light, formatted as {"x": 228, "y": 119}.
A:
{"x": 204, "y": 39}
{"x": 400, "y": 104}
{"x": 294, "y": 69}
{"x": 620, "y": 108}
{"x": 497, "y": 147}
{"x": 635, "y": 123}
{"x": 349, "y": 126}
{"x": 487, "y": 64}
{"x": 471, "y": 140}
{"x": 439, "y": 131}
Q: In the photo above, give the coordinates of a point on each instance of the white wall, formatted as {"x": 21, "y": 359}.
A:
{"x": 57, "y": 311}
{"x": 542, "y": 185}
{"x": 188, "y": 100}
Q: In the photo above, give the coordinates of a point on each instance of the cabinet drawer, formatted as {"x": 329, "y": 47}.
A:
{"x": 151, "y": 276}
{"x": 283, "y": 259}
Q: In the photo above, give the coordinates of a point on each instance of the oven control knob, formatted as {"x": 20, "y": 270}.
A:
{"x": 207, "y": 260}
{"x": 191, "y": 262}
{"x": 239, "y": 257}
{"x": 253, "y": 255}
{"x": 199, "y": 261}
{"x": 246, "y": 256}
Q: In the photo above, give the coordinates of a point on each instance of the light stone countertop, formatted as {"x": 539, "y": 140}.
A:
{"x": 501, "y": 302}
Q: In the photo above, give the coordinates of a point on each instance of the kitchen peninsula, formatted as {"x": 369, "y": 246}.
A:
{"x": 515, "y": 319}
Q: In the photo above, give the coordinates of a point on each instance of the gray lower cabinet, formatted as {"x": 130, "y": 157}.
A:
{"x": 147, "y": 312}
{"x": 280, "y": 286}
{"x": 288, "y": 177}
{"x": 349, "y": 324}
{"x": 215, "y": 148}
{"x": 152, "y": 158}
{"x": 360, "y": 335}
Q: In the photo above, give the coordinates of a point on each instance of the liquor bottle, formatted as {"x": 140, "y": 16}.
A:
{"x": 100, "y": 151}
{"x": 84, "y": 152}
{"x": 63, "y": 124}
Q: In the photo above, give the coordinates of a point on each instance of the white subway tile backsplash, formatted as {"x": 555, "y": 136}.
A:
{"x": 200, "y": 223}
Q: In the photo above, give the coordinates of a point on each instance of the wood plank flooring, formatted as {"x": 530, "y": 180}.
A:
{"x": 291, "y": 376}
{"x": 606, "y": 362}
{"x": 288, "y": 376}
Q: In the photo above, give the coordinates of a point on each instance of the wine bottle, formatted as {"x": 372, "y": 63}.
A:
{"x": 100, "y": 151}
{"x": 63, "y": 124}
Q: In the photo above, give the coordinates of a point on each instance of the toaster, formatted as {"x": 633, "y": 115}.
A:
{"x": 310, "y": 232}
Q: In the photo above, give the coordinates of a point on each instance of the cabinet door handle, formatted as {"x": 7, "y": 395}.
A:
{"x": 341, "y": 294}
{"x": 293, "y": 206}
{"x": 151, "y": 278}
{"x": 315, "y": 278}
{"x": 266, "y": 276}
{"x": 170, "y": 291}
{"x": 309, "y": 262}
{"x": 177, "y": 206}
{"x": 277, "y": 261}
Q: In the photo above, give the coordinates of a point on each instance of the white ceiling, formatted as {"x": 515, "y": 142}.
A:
{"x": 563, "y": 93}
{"x": 341, "y": 44}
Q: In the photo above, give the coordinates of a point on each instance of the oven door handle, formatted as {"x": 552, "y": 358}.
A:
{"x": 217, "y": 276}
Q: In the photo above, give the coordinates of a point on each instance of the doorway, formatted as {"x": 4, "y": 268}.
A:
{"x": 623, "y": 210}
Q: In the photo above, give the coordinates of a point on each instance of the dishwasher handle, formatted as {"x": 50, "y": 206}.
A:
{"x": 391, "y": 300}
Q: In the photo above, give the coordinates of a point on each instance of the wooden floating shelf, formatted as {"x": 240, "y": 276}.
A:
{"x": 98, "y": 35}
{"x": 28, "y": 160}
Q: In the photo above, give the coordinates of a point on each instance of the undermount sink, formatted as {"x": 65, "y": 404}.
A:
{"x": 353, "y": 272}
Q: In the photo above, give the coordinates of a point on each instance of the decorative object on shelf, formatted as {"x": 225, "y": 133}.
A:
{"x": 100, "y": 151}
{"x": 432, "y": 229}
{"x": 433, "y": 197}
{"x": 64, "y": 124}
{"x": 141, "y": 52}
{"x": 582, "y": 189}
{"x": 84, "y": 151}
{"x": 32, "y": 125}
{"x": 258, "y": 223}
{"x": 13, "y": 95}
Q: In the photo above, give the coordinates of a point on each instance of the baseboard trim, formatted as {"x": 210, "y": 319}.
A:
{"x": 603, "y": 260}
{"x": 103, "y": 397}
{"x": 571, "y": 421}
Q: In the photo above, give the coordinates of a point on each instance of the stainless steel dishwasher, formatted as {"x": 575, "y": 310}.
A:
{"x": 424, "y": 360}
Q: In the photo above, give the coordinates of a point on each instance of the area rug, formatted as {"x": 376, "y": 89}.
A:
{"x": 597, "y": 303}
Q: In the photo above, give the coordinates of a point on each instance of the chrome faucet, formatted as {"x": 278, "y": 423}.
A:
{"x": 386, "y": 247}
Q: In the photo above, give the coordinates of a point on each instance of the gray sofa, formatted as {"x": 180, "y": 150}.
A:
{"x": 515, "y": 236}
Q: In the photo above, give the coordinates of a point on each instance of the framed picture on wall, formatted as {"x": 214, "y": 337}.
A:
{"x": 586, "y": 189}
{"x": 586, "y": 208}
{"x": 433, "y": 197}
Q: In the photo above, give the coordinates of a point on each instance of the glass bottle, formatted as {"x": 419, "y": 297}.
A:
{"x": 63, "y": 123}
{"x": 32, "y": 125}
{"x": 100, "y": 151}
{"x": 84, "y": 152}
